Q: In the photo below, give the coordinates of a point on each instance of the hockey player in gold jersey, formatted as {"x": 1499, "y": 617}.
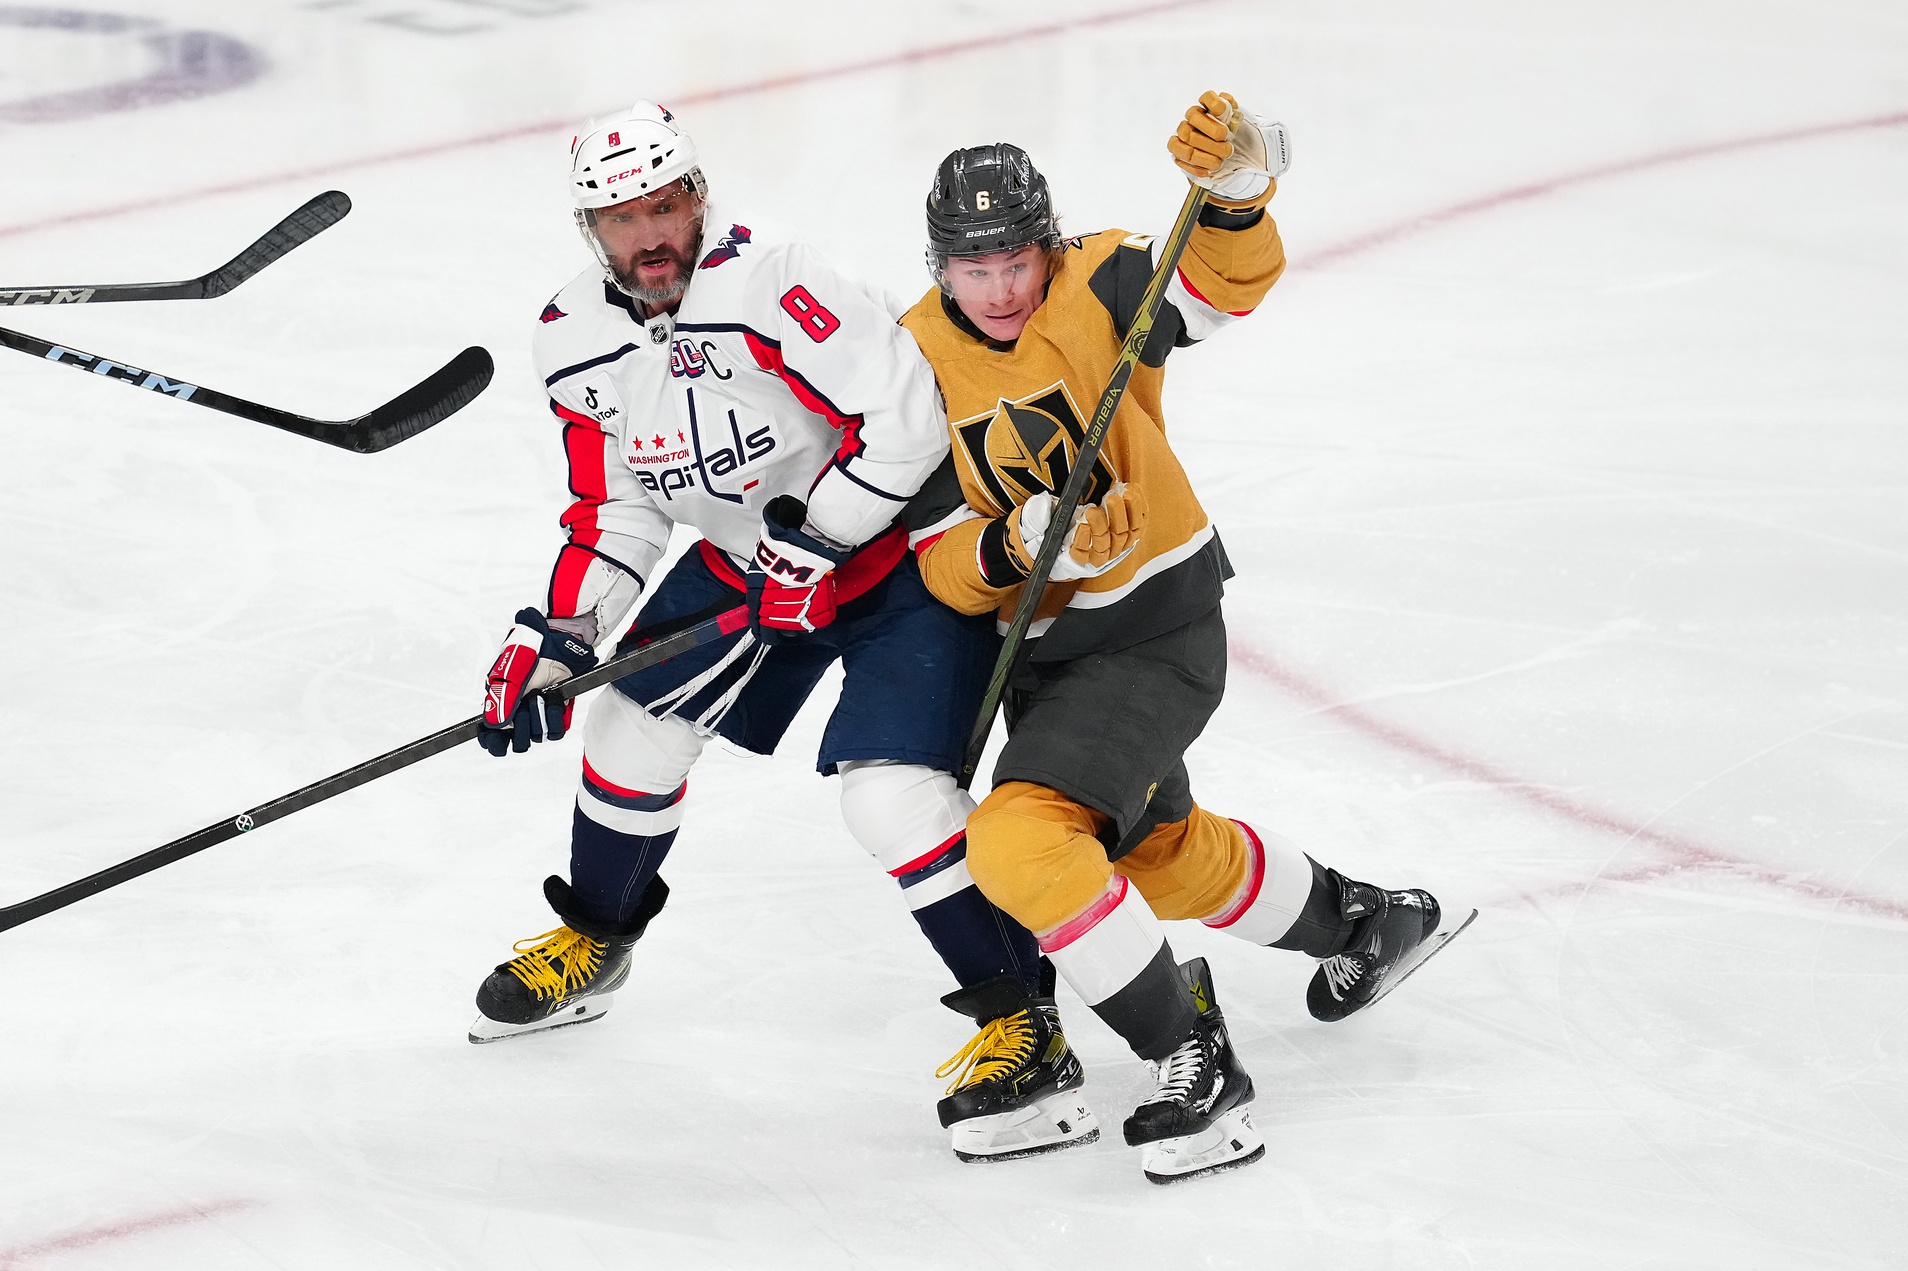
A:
{"x": 1091, "y": 835}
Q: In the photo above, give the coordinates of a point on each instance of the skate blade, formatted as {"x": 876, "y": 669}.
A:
{"x": 1051, "y": 1124}
{"x": 1419, "y": 956}
{"x": 1231, "y": 1142}
{"x": 491, "y": 1030}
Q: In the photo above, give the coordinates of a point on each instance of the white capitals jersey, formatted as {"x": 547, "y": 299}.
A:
{"x": 776, "y": 375}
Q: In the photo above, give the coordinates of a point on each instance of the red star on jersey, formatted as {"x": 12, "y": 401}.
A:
{"x": 680, "y": 437}
{"x": 660, "y": 442}
{"x": 636, "y": 442}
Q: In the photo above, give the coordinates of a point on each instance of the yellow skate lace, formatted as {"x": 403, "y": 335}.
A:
{"x": 1001, "y": 1046}
{"x": 538, "y": 957}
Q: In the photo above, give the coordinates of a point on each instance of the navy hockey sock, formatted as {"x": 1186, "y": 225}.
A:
{"x": 610, "y": 869}
{"x": 972, "y": 936}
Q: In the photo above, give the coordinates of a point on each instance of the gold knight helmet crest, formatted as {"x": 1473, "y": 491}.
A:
{"x": 1024, "y": 446}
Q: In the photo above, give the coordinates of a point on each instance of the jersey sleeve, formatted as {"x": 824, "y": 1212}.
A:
{"x": 841, "y": 352}
{"x": 953, "y": 544}
{"x": 614, "y": 532}
{"x": 1231, "y": 261}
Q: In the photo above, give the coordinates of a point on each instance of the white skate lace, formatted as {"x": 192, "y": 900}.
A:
{"x": 1341, "y": 972}
{"x": 1178, "y": 1072}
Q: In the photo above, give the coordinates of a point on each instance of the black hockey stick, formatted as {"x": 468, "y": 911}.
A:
{"x": 1079, "y": 476}
{"x": 409, "y": 413}
{"x": 370, "y": 770}
{"x": 309, "y": 221}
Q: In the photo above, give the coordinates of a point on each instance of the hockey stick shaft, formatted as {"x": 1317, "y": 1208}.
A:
{"x": 1079, "y": 476}
{"x": 445, "y": 392}
{"x": 351, "y": 778}
{"x": 314, "y": 218}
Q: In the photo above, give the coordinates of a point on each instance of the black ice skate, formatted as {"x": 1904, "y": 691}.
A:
{"x": 1394, "y": 933}
{"x": 1016, "y": 1088}
{"x": 1199, "y": 1121}
{"x": 564, "y": 976}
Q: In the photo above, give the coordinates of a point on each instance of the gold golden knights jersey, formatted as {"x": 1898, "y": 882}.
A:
{"x": 1017, "y": 415}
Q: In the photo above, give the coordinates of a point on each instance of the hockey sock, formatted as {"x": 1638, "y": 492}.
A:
{"x": 618, "y": 839}
{"x": 1322, "y": 929}
{"x": 1114, "y": 954}
{"x": 974, "y": 938}
{"x": 1287, "y": 900}
{"x": 912, "y": 819}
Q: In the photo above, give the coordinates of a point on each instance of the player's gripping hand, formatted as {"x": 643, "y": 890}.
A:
{"x": 792, "y": 578}
{"x": 534, "y": 658}
{"x": 1228, "y": 149}
{"x": 1103, "y": 534}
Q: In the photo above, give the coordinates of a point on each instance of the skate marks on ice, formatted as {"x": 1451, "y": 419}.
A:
{"x": 908, "y": 57}
{"x": 1422, "y": 222}
{"x": 1677, "y": 853}
{"x": 446, "y": 17}
{"x": 171, "y": 65}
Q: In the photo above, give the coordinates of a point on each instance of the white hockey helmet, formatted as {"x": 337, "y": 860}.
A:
{"x": 630, "y": 155}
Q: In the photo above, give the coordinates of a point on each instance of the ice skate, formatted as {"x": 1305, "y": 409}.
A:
{"x": 1199, "y": 1121}
{"x": 1395, "y": 932}
{"x": 1016, "y": 1086}
{"x": 562, "y": 977}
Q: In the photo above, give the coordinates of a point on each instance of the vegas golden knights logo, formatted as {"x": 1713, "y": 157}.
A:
{"x": 1023, "y": 447}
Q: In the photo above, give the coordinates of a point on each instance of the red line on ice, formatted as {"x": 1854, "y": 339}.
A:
{"x": 887, "y": 61}
{"x": 1683, "y": 853}
{"x": 1602, "y": 172}
{"x": 21, "y": 1255}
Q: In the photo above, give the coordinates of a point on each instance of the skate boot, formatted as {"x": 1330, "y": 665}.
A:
{"x": 1016, "y": 1087}
{"x": 564, "y": 976}
{"x": 1199, "y": 1121}
{"x": 1394, "y": 932}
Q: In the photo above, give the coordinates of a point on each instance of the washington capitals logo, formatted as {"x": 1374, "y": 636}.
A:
{"x": 551, "y": 313}
{"x": 728, "y": 247}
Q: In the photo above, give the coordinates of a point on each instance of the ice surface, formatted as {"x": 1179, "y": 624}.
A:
{"x": 1569, "y": 516}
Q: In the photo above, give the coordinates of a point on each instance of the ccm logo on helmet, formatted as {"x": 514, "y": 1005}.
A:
{"x": 622, "y": 176}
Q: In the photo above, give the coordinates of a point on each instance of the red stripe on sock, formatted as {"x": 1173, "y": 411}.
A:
{"x": 1223, "y": 920}
{"x": 922, "y": 862}
{"x": 1087, "y": 919}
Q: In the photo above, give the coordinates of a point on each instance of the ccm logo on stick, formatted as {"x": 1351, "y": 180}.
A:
{"x": 47, "y": 297}
{"x": 120, "y": 371}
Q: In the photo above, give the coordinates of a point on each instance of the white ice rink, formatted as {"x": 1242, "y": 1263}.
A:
{"x": 1565, "y": 474}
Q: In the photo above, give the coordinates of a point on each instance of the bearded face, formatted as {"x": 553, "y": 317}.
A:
{"x": 650, "y": 243}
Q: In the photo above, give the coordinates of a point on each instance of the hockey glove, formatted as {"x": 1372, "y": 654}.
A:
{"x": 1104, "y": 534}
{"x": 792, "y": 579}
{"x": 1228, "y": 149}
{"x": 534, "y": 658}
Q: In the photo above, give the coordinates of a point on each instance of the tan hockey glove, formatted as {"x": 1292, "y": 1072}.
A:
{"x": 1228, "y": 149}
{"x": 1103, "y": 535}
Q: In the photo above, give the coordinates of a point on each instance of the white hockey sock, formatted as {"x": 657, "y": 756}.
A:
{"x": 1273, "y": 894}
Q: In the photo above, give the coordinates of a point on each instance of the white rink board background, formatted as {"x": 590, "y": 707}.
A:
{"x": 1565, "y": 475}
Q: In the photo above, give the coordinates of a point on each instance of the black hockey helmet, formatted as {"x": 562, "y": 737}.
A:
{"x": 987, "y": 199}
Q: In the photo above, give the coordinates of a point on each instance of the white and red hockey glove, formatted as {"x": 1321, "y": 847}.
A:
{"x": 534, "y": 658}
{"x": 792, "y": 578}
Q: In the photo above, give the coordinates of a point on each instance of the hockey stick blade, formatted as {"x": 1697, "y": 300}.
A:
{"x": 303, "y": 225}
{"x": 446, "y": 392}
{"x": 351, "y": 778}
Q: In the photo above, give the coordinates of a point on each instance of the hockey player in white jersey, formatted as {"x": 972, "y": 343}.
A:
{"x": 716, "y": 373}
